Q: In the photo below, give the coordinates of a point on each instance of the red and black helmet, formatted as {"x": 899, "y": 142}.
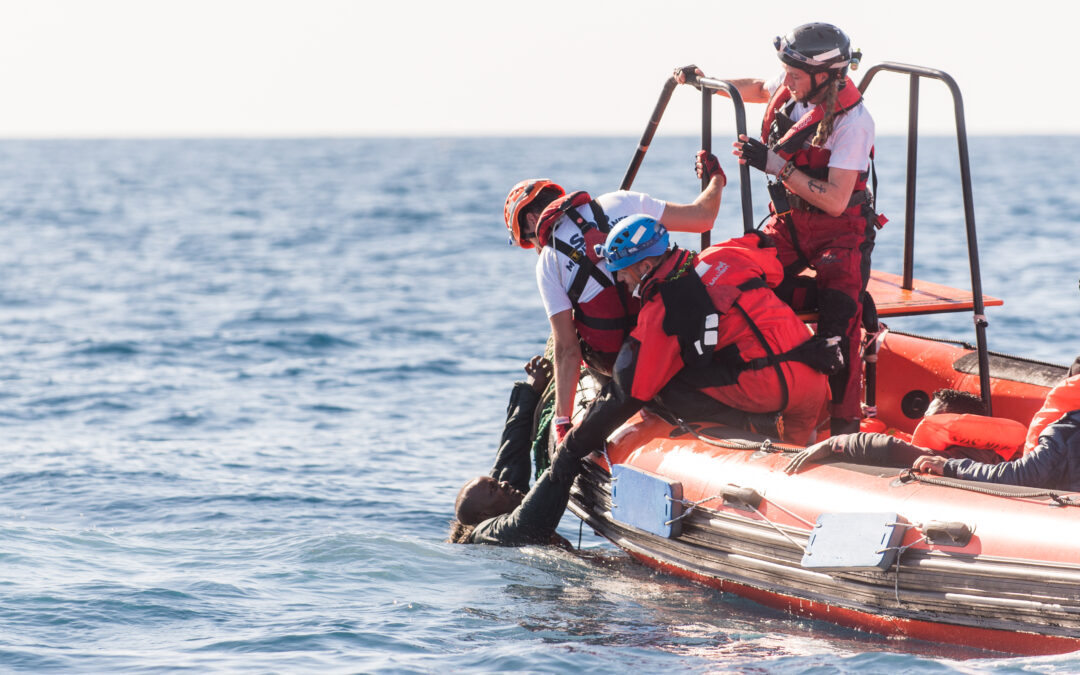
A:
{"x": 817, "y": 48}
{"x": 521, "y": 195}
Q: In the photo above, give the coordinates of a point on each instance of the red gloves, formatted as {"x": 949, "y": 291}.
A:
{"x": 706, "y": 165}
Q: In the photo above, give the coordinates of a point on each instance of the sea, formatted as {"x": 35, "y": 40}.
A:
{"x": 241, "y": 382}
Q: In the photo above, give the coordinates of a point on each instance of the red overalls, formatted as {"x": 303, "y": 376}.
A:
{"x": 836, "y": 247}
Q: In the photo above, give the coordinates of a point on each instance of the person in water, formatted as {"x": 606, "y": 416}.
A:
{"x": 1052, "y": 463}
{"x": 817, "y": 142}
{"x": 881, "y": 449}
{"x": 711, "y": 325}
{"x": 590, "y": 314}
{"x": 499, "y": 508}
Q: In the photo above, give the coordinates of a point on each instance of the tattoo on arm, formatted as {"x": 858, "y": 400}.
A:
{"x": 816, "y": 187}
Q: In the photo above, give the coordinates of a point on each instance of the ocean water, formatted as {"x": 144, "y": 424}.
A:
{"x": 241, "y": 382}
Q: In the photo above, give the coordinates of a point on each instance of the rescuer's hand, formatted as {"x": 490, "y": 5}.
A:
{"x": 758, "y": 155}
{"x": 688, "y": 74}
{"x": 706, "y": 165}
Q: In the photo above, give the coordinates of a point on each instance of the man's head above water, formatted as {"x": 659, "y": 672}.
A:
{"x": 483, "y": 497}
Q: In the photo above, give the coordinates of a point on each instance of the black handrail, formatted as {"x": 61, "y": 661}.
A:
{"x": 916, "y": 72}
{"x": 708, "y": 86}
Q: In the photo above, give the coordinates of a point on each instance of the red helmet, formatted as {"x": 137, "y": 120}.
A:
{"x": 519, "y": 198}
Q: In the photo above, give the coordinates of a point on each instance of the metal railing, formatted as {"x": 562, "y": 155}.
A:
{"x": 709, "y": 86}
{"x": 915, "y": 73}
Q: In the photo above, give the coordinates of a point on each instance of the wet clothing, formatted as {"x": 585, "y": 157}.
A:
{"x": 702, "y": 326}
{"x": 1053, "y": 464}
{"x": 535, "y": 519}
{"x": 885, "y": 450}
{"x": 836, "y": 247}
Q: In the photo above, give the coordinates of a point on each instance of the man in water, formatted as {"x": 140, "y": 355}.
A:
{"x": 500, "y": 508}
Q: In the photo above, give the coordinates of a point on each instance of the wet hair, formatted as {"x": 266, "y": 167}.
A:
{"x": 960, "y": 402}
{"x": 459, "y": 533}
{"x": 537, "y": 206}
{"x": 465, "y": 511}
{"x": 1075, "y": 367}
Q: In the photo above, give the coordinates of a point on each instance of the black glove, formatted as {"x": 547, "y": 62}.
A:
{"x": 755, "y": 153}
{"x": 690, "y": 72}
{"x": 706, "y": 165}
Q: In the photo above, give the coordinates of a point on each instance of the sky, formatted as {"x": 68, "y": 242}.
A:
{"x": 165, "y": 68}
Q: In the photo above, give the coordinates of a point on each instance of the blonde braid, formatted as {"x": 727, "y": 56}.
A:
{"x": 825, "y": 128}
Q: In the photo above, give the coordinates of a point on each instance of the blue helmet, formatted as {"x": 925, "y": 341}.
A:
{"x": 632, "y": 240}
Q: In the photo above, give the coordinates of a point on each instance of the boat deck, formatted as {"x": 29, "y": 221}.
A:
{"x": 924, "y": 298}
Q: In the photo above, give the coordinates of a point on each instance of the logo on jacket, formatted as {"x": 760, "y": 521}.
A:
{"x": 710, "y": 274}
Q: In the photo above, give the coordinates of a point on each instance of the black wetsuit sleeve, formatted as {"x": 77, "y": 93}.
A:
{"x": 1054, "y": 463}
{"x": 513, "y": 462}
{"x": 532, "y": 522}
{"x": 877, "y": 449}
{"x": 611, "y": 408}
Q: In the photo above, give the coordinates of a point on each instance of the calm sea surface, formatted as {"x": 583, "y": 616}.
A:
{"x": 242, "y": 381}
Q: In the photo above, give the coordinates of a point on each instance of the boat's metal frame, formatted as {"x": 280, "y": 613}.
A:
{"x": 710, "y": 86}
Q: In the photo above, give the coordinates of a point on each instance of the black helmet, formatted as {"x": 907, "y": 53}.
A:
{"x": 817, "y": 48}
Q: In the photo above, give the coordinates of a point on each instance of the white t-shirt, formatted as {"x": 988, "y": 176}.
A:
{"x": 555, "y": 272}
{"x": 851, "y": 138}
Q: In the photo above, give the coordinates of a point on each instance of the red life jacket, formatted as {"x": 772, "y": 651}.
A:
{"x": 1063, "y": 398}
{"x": 702, "y": 294}
{"x": 1002, "y": 435}
{"x": 603, "y": 322}
{"x": 794, "y": 142}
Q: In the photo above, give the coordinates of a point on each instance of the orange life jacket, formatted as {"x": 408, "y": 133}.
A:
{"x": 1063, "y": 398}
{"x": 701, "y": 295}
{"x": 875, "y": 425}
{"x": 1000, "y": 434}
{"x": 794, "y": 142}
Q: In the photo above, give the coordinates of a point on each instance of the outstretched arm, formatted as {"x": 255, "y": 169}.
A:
{"x": 699, "y": 215}
{"x": 567, "y": 362}
{"x": 513, "y": 463}
{"x": 751, "y": 89}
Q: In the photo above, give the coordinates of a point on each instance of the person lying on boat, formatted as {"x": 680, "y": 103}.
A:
{"x": 500, "y": 508}
{"x": 954, "y": 425}
{"x": 711, "y": 325}
{"x": 817, "y": 140}
{"x": 590, "y": 314}
{"x": 1052, "y": 463}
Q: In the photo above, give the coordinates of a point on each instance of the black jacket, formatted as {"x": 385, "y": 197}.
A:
{"x": 1053, "y": 464}
{"x": 535, "y": 519}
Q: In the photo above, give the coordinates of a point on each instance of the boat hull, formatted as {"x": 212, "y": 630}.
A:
{"x": 1013, "y": 586}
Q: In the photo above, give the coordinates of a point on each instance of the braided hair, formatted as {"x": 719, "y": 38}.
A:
{"x": 824, "y": 129}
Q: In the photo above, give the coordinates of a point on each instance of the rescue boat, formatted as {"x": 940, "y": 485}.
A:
{"x": 873, "y": 548}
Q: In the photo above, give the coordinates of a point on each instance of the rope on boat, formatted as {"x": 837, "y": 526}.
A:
{"x": 1059, "y": 499}
{"x": 761, "y": 515}
{"x": 764, "y": 446}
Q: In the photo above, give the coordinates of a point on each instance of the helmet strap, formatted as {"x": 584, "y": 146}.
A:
{"x": 817, "y": 88}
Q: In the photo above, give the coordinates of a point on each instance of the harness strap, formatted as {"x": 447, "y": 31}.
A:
{"x": 771, "y": 359}
{"x": 586, "y": 270}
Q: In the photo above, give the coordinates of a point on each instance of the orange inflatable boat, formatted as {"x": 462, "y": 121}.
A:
{"x": 874, "y": 548}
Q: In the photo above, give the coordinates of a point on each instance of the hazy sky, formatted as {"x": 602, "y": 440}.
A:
{"x": 394, "y": 67}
